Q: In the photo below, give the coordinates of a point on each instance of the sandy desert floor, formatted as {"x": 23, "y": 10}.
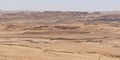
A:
{"x": 45, "y": 49}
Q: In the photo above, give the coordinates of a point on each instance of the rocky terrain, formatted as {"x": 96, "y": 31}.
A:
{"x": 57, "y": 35}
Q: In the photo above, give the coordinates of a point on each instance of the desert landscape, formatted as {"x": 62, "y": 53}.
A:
{"x": 59, "y": 35}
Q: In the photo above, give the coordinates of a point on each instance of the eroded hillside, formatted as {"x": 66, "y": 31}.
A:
{"x": 59, "y": 35}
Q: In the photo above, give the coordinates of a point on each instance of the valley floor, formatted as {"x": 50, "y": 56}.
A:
{"x": 45, "y": 49}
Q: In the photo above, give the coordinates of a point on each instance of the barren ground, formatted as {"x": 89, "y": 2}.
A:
{"x": 59, "y": 36}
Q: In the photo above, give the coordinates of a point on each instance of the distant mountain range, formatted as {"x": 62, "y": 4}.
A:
{"x": 58, "y": 16}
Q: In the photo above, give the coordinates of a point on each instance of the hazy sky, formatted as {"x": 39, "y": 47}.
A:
{"x": 62, "y": 5}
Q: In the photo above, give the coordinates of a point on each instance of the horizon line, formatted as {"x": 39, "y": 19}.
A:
{"x": 65, "y": 10}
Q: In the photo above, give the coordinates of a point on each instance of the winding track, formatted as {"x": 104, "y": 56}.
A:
{"x": 21, "y": 52}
